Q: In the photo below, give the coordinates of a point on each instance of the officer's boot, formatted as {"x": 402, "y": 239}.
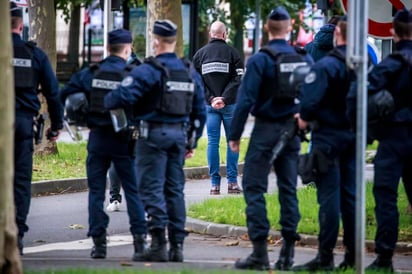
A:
{"x": 348, "y": 260}
{"x": 286, "y": 255}
{"x": 158, "y": 247}
{"x": 176, "y": 252}
{"x": 100, "y": 246}
{"x": 382, "y": 263}
{"x": 258, "y": 260}
{"x": 322, "y": 262}
{"x": 140, "y": 246}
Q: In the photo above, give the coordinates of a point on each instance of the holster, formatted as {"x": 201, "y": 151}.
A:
{"x": 129, "y": 135}
{"x": 312, "y": 164}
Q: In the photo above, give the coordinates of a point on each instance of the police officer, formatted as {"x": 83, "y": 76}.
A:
{"x": 164, "y": 105}
{"x": 31, "y": 70}
{"x": 323, "y": 100}
{"x": 393, "y": 159}
{"x": 259, "y": 93}
{"x": 105, "y": 146}
{"x": 221, "y": 68}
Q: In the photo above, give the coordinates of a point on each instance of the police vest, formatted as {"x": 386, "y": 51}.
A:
{"x": 23, "y": 65}
{"x": 286, "y": 63}
{"x": 381, "y": 105}
{"x": 103, "y": 82}
{"x": 176, "y": 96}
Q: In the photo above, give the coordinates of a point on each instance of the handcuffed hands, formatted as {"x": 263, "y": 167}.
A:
{"x": 217, "y": 103}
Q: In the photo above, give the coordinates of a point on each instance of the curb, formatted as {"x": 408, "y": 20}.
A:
{"x": 61, "y": 186}
{"x": 208, "y": 228}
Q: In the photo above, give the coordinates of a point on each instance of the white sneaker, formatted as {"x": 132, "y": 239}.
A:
{"x": 114, "y": 206}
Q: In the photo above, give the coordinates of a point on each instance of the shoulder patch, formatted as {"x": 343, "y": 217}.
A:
{"x": 127, "y": 81}
{"x": 310, "y": 78}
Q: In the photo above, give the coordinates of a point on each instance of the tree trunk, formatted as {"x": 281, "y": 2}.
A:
{"x": 203, "y": 37}
{"x": 164, "y": 9}
{"x": 42, "y": 17}
{"x": 9, "y": 255}
{"x": 237, "y": 11}
{"x": 74, "y": 34}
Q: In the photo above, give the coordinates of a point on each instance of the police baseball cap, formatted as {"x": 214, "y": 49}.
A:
{"x": 15, "y": 11}
{"x": 164, "y": 28}
{"x": 279, "y": 14}
{"x": 120, "y": 36}
{"x": 403, "y": 15}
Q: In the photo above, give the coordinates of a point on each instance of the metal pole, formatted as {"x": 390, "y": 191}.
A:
{"x": 256, "y": 45}
{"x": 106, "y": 24}
{"x": 357, "y": 59}
{"x": 386, "y": 48}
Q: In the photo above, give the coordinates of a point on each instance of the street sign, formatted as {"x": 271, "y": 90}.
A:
{"x": 381, "y": 15}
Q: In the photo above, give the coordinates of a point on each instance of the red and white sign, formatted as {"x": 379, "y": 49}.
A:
{"x": 22, "y": 3}
{"x": 380, "y": 15}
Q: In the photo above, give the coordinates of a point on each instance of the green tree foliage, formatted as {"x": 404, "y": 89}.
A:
{"x": 209, "y": 11}
{"x": 66, "y": 6}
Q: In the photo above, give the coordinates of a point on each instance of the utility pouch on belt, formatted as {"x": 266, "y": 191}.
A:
{"x": 312, "y": 164}
{"x": 143, "y": 130}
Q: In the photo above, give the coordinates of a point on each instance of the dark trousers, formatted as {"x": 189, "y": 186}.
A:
{"x": 336, "y": 191}
{"x": 393, "y": 158}
{"x": 160, "y": 160}
{"x": 23, "y": 165}
{"x": 115, "y": 185}
{"x": 255, "y": 181}
{"x": 104, "y": 147}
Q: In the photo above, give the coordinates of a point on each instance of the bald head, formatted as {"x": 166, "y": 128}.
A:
{"x": 217, "y": 30}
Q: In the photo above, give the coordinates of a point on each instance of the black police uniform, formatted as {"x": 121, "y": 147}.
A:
{"x": 161, "y": 147}
{"x": 323, "y": 101}
{"x": 105, "y": 146}
{"x": 393, "y": 159}
{"x": 272, "y": 116}
{"x": 32, "y": 69}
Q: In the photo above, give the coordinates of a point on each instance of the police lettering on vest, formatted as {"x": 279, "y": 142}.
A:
{"x": 103, "y": 82}
{"x": 23, "y": 66}
{"x": 178, "y": 89}
{"x": 286, "y": 63}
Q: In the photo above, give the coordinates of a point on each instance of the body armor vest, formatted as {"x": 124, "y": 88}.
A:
{"x": 103, "y": 82}
{"x": 286, "y": 63}
{"x": 23, "y": 66}
{"x": 177, "y": 90}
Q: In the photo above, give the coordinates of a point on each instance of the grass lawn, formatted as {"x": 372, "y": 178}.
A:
{"x": 231, "y": 210}
{"x": 71, "y": 160}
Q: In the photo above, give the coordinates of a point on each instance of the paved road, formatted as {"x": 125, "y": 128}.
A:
{"x": 58, "y": 227}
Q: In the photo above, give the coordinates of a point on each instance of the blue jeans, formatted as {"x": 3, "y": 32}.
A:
{"x": 215, "y": 117}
